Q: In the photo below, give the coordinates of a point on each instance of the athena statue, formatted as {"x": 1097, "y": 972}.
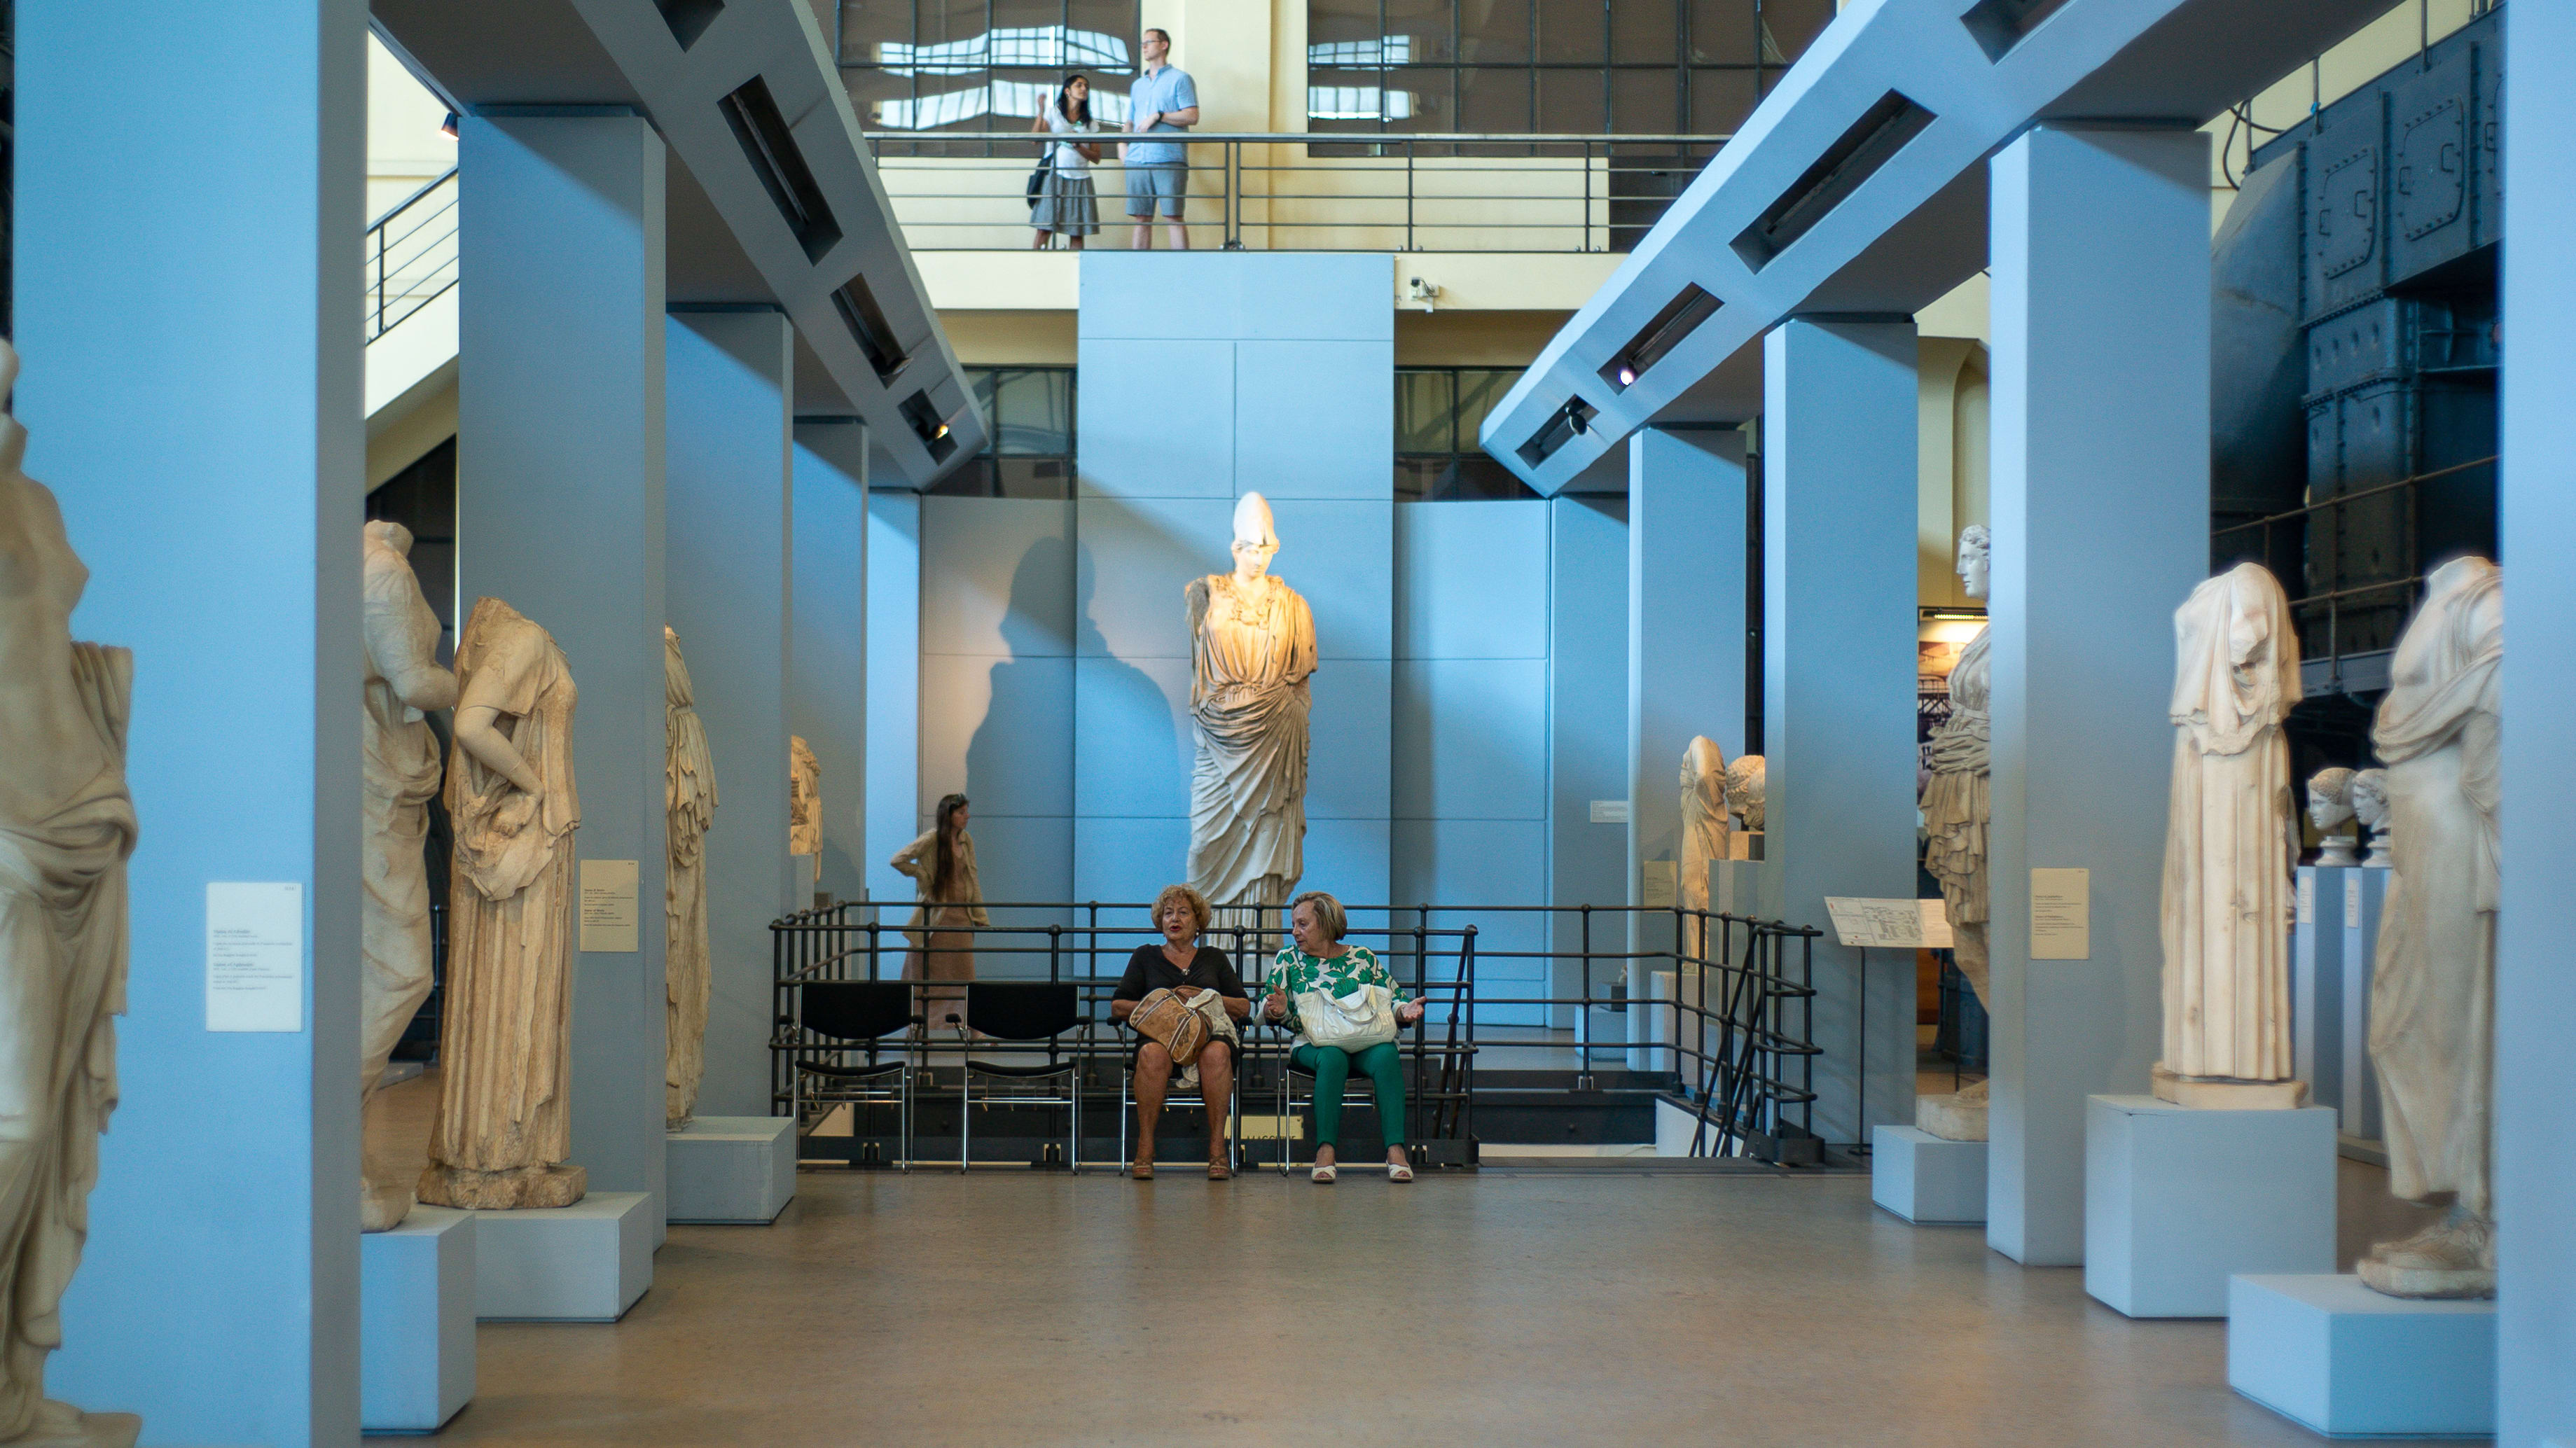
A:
{"x": 689, "y": 811}
{"x": 1956, "y": 809}
{"x": 1252, "y": 653}
{"x": 504, "y": 1121}
{"x": 66, "y": 828}
{"x": 2230, "y": 838}
{"x": 399, "y": 761}
{"x": 2432, "y": 993}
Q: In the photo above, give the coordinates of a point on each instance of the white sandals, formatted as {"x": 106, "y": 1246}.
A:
{"x": 1398, "y": 1172}
{"x": 1322, "y": 1176}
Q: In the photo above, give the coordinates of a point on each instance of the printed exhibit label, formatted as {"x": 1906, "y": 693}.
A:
{"x": 254, "y": 955}
{"x": 608, "y": 906}
{"x": 2061, "y": 918}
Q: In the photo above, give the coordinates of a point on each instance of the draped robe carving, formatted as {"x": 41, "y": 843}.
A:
{"x": 1252, "y": 654}
{"x": 689, "y": 811}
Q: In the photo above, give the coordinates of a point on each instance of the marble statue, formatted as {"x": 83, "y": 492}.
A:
{"x": 2329, "y": 805}
{"x": 689, "y": 811}
{"x": 2230, "y": 839}
{"x": 1705, "y": 834}
{"x": 2432, "y": 991}
{"x": 66, "y": 828}
{"x": 1252, "y": 656}
{"x": 399, "y": 758}
{"x": 504, "y": 1120}
{"x": 804, "y": 798}
{"x": 1956, "y": 809}
{"x": 1744, "y": 786}
{"x": 2370, "y": 811}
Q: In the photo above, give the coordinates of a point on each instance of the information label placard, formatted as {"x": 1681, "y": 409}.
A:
{"x": 254, "y": 955}
{"x": 2061, "y": 914}
{"x": 609, "y": 908}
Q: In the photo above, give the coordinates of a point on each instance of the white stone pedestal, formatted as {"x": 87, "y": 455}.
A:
{"x": 732, "y": 1169}
{"x": 2365, "y": 891}
{"x": 1926, "y": 1180}
{"x": 416, "y": 1321}
{"x": 2330, "y": 1354}
{"x": 2177, "y": 1200}
{"x": 584, "y": 1263}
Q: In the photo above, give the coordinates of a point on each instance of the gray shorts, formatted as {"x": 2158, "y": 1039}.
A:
{"x": 1168, "y": 180}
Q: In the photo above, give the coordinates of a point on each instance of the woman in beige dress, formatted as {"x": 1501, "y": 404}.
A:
{"x": 505, "y": 1046}
{"x": 942, "y": 866}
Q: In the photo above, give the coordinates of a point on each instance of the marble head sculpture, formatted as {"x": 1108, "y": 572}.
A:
{"x": 1252, "y": 652}
{"x": 1745, "y": 779}
{"x": 2370, "y": 810}
{"x": 2330, "y": 805}
{"x": 1976, "y": 551}
{"x": 2229, "y": 844}
{"x": 66, "y": 828}
{"x": 1704, "y": 828}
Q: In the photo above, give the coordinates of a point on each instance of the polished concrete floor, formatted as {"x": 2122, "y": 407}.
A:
{"x": 1631, "y": 1306}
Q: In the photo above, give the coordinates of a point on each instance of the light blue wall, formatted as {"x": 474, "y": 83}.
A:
{"x": 726, "y": 592}
{"x": 191, "y": 395}
{"x": 1588, "y": 745}
{"x": 894, "y": 705}
{"x": 827, "y": 690}
{"x": 560, "y": 513}
{"x": 2535, "y": 990}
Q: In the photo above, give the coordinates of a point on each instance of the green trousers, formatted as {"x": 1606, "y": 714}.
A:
{"x": 1331, "y": 1066}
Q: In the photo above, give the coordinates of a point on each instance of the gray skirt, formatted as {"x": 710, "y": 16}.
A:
{"x": 1067, "y": 206}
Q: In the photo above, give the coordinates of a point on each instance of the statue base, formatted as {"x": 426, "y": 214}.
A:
{"x": 1957, "y": 1117}
{"x": 2452, "y": 1259}
{"x": 60, "y": 1425}
{"x": 2223, "y": 1093}
{"x": 542, "y": 1185}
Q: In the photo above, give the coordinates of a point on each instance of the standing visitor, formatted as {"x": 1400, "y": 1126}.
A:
{"x": 1065, "y": 204}
{"x": 1164, "y": 98}
{"x": 942, "y": 866}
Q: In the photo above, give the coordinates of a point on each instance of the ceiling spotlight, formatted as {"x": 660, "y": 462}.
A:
{"x": 1627, "y": 375}
{"x": 447, "y": 127}
{"x": 1580, "y": 423}
{"x": 943, "y": 431}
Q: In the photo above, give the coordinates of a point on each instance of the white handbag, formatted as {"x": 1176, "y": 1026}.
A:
{"x": 1355, "y": 1022}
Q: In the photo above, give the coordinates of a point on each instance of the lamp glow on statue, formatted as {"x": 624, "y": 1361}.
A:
{"x": 1252, "y": 654}
{"x": 1956, "y": 808}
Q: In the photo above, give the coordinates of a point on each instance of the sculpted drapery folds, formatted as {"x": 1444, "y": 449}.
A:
{"x": 1252, "y": 654}
{"x": 689, "y": 809}
{"x": 2231, "y": 834}
{"x": 1705, "y": 833}
{"x": 66, "y": 828}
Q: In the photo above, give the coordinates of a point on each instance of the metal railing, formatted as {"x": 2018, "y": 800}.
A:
{"x": 1317, "y": 191}
{"x": 411, "y": 255}
{"x": 1736, "y": 1029}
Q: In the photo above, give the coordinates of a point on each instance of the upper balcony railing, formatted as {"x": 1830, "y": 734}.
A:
{"x": 1307, "y": 191}
{"x": 411, "y": 255}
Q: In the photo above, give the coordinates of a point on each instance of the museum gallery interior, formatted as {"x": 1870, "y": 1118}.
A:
{"x": 1171, "y": 721}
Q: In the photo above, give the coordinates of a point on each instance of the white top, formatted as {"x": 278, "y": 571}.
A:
{"x": 1068, "y": 160}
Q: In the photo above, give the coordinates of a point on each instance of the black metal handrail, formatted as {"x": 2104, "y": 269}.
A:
{"x": 1596, "y": 202}
{"x": 411, "y": 255}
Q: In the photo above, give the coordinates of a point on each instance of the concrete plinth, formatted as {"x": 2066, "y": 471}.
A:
{"x": 416, "y": 1322}
{"x": 2178, "y": 1200}
{"x": 584, "y": 1263}
{"x": 1926, "y": 1180}
{"x": 732, "y": 1169}
{"x": 2330, "y": 1354}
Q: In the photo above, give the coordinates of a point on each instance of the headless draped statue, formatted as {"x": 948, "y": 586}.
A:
{"x": 1706, "y": 834}
{"x": 804, "y": 798}
{"x": 399, "y": 757}
{"x": 504, "y": 1121}
{"x": 1956, "y": 809}
{"x": 689, "y": 811}
{"x": 1252, "y": 653}
{"x": 2432, "y": 990}
{"x": 66, "y": 828}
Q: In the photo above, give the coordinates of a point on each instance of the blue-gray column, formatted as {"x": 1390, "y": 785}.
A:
{"x": 730, "y": 376}
{"x": 1839, "y": 498}
{"x": 894, "y": 690}
{"x": 827, "y": 689}
{"x": 2101, "y": 527}
{"x": 1685, "y": 650}
{"x": 2535, "y": 988}
{"x": 191, "y": 392}
{"x": 1587, "y": 727}
{"x": 559, "y": 512}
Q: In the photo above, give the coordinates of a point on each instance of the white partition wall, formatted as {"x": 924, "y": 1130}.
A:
{"x": 827, "y": 690}
{"x": 2101, "y": 526}
{"x": 725, "y": 592}
{"x": 191, "y": 392}
{"x": 2535, "y": 1118}
{"x": 1838, "y": 698}
{"x": 894, "y": 689}
{"x": 1587, "y": 720}
{"x": 560, "y": 513}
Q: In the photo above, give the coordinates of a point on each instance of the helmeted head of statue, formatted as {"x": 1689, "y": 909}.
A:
{"x": 1256, "y": 536}
{"x": 1976, "y": 547}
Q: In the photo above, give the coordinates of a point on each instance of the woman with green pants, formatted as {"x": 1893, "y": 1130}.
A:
{"x": 1320, "y": 961}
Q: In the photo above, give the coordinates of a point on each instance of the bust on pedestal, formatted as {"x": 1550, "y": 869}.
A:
{"x": 2370, "y": 809}
{"x": 2329, "y": 805}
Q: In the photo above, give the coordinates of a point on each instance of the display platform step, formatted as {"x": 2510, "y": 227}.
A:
{"x": 416, "y": 1321}
{"x": 1928, "y": 1180}
{"x": 2178, "y": 1199}
{"x": 584, "y": 1263}
{"x": 731, "y": 1169}
{"x": 2329, "y": 1354}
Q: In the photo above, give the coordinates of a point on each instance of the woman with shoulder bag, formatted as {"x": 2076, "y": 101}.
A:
{"x": 1183, "y": 1000}
{"x": 1345, "y": 1006}
{"x": 1060, "y": 195}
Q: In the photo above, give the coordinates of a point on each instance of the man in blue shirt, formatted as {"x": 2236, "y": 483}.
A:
{"x": 1164, "y": 98}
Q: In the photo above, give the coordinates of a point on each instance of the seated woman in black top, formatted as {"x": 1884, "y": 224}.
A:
{"x": 1182, "y": 965}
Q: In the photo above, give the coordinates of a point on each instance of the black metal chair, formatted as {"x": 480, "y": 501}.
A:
{"x": 1026, "y": 1016}
{"x": 852, "y": 1013}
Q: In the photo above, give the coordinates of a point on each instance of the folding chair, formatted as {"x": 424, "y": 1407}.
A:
{"x": 1024, "y": 1014}
{"x": 858, "y": 1013}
